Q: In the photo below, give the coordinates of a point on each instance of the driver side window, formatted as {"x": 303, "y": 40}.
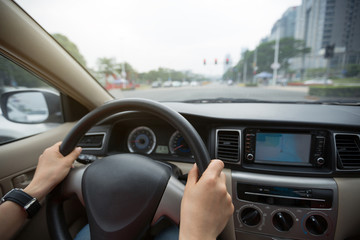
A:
{"x": 28, "y": 105}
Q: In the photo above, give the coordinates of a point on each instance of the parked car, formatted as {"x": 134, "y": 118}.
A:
{"x": 156, "y": 84}
{"x": 185, "y": 83}
{"x": 167, "y": 84}
{"x": 194, "y": 83}
{"x": 176, "y": 84}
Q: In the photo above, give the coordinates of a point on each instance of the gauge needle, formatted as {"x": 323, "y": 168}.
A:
{"x": 178, "y": 147}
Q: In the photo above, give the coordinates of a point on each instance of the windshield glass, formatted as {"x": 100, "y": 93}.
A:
{"x": 213, "y": 51}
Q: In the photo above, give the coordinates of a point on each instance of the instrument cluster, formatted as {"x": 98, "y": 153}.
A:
{"x": 145, "y": 140}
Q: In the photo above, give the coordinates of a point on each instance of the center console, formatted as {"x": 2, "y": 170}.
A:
{"x": 284, "y": 207}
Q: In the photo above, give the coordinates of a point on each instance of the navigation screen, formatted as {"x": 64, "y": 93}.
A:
{"x": 282, "y": 148}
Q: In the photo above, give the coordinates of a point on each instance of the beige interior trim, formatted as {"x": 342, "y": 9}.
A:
{"x": 26, "y": 159}
{"x": 348, "y": 214}
{"x": 26, "y": 43}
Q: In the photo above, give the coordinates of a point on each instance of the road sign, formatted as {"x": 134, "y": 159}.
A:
{"x": 275, "y": 65}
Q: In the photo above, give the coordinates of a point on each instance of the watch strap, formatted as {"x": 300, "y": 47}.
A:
{"x": 30, "y": 204}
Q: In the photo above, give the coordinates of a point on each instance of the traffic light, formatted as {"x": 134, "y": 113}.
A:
{"x": 215, "y": 61}
{"x": 329, "y": 51}
{"x": 204, "y": 61}
{"x": 227, "y": 61}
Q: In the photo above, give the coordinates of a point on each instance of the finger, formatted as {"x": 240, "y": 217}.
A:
{"x": 193, "y": 175}
{"x": 56, "y": 148}
{"x": 215, "y": 167}
{"x": 73, "y": 155}
{"x": 223, "y": 177}
{"x": 57, "y": 145}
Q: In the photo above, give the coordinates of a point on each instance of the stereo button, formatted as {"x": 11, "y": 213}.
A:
{"x": 250, "y": 157}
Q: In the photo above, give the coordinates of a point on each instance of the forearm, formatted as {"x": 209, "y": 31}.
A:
{"x": 12, "y": 217}
{"x": 187, "y": 235}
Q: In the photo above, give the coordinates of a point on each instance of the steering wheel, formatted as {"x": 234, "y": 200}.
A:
{"x": 123, "y": 194}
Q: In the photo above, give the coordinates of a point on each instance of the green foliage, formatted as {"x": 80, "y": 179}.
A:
{"x": 288, "y": 48}
{"x": 70, "y": 47}
{"x": 163, "y": 74}
{"x": 340, "y": 81}
{"x": 352, "y": 70}
{"x": 335, "y": 91}
{"x": 15, "y": 76}
{"x": 315, "y": 72}
{"x": 109, "y": 66}
{"x": 106, "y": 65}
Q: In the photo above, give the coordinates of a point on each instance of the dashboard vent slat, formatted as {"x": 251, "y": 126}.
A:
{"x": 348, "y": 151}
{"x": 92, "y": 141}
{"x": 228, "y": 145}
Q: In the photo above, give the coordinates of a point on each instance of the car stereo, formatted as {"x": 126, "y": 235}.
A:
{"x": 304, "y": 148}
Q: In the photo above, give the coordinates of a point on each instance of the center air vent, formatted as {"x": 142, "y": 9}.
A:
{"x": 348, "y": 151}
{"x": 92, "y": 141}
{"x": 228, "y": 145}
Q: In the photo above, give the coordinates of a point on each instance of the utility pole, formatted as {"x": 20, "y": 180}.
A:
{"x": 275, "y": 66}
{"x": 244, "y": 71}
{"x": 255, "y": 65}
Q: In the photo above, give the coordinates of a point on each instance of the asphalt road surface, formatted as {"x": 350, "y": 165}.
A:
{"x": 217, "y": 90}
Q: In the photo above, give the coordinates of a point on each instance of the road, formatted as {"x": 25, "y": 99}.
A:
{"x": 217, "y": 90}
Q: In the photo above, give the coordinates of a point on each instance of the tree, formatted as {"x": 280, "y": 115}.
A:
{"x": 288, "y": 48}
{"x": 15, "y": 76}
{"x": 106, "y": 65}
{"x": 70, "y": 47}
{"x": 352, "y": 70}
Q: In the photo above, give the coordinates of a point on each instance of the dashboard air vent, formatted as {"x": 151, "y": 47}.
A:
{"x": 348, "y": 151}
{"x": 92, "y": 141}
{"x": 228, "y": 145}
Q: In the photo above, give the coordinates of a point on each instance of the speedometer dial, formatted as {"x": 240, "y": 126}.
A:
{"x": 141, "y": 140}
{"x": 178, "y": 145}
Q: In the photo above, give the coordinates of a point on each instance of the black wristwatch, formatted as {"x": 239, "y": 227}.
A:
{"x": 30, "y": 204}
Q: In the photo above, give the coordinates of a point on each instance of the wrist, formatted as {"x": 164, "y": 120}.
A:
{"x": 194, "y": 235}
{"x": 36, "y": 191}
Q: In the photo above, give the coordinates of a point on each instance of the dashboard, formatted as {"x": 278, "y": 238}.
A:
{"x": 287, "y": 161}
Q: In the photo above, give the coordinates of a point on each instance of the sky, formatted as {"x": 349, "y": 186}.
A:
{"x": 148, "y": 34}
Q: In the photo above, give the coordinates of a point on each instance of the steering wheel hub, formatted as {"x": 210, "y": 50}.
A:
{"x": 126, "y": 206}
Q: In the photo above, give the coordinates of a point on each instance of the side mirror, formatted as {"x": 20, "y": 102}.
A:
{"x": 31, "y": 106}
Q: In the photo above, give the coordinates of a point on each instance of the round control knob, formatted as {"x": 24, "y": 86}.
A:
{"x": 316, "y": 224}
{"x": 282, "y": 221}
{"x": 250, "y": 157}
{"x": 320, "y": 161}
{"x": 250, "y": 216}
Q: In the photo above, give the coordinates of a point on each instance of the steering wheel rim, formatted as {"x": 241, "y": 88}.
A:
{"x": 55, "y": 212}
{"x": 201, "y": 155}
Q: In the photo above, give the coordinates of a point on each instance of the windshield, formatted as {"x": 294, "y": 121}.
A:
{"x": 213, "y": 51}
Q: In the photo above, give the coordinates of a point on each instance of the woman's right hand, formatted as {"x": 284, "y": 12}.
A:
{"x": 206, "y": 205}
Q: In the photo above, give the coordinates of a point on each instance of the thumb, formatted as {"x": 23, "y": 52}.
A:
{"x": 193, "y": 175}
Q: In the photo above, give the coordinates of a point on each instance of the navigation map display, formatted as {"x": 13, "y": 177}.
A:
{"x": 282, "y": 148}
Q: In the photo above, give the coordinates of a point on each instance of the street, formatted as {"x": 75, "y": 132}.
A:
{"x": 217, "y": 90}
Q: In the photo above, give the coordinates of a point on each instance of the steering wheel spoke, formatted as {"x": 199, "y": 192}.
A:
{"x": 72, "y": 184}
{"x": 169, "y": 205}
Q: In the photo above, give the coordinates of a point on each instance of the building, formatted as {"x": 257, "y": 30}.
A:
{"x": 328, "y": 22}
{"x": 285, "y": 25}
{"x": 309, "y": 28}
{"x": 342, "y": 28}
